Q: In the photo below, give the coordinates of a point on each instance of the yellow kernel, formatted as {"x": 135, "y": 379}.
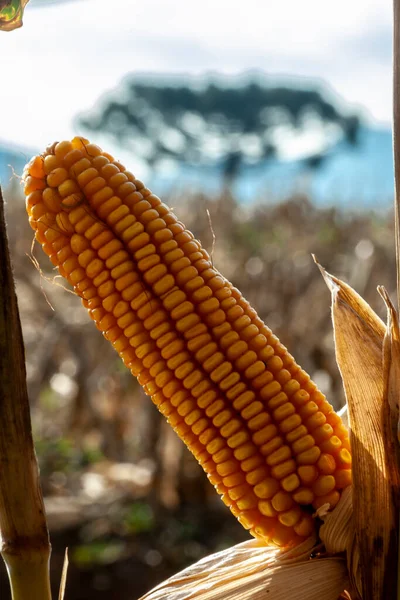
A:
{"x": 267, "y": 488}
{"x": 290, "y": 482}
{"x": 323, "y": 485}
{"x": 36, "y": 167}
{"x": 67, "y": 188}
{"x": 252, "y": 410}
{"x": 282, "y": 501}
{"x": 248, "y": 518}
{"x": 247, "y": 502}
{"x": 238, "y": 439}
{"x": 247, "y": 359}
{"x": 234, "y": 480}
{"x": 331, "y": 446}
{"x": 206, "y": 399}
{"x": 326, "y": 464}
{"x": 322, "y": 433}
{"x": 290, "y": 423}
{"x": 259, "y": 421}
{"x": 343, "y": 458}
{"x": 95, "y": 267}
{"x": 275, "y": 363}
{"x": 332, "y": 499}
{"x": 220, "y": 372}
{"x": 236, "y": 390}
{"x": 62, "y": 148}
{"x": 283, "y": 469}
{"x": 278, "y": 456}
{"x": 251, "y": 463}
{"x": 283, "y": 411}
{"x": 254, "y": 370}
{"x": 244, "y": 452}
{"x": 290, "y": 517}
{"x": 283, "y": 376}
{"x": 316, "y": 420}
{"x": 303, "y": 444}
{"x": 213, "y": 361}
{"x": 64, "y": 224}
{"x": 215, "y": 445}
{"x": 308, "y": 457}
{"x": 300, "y": 397}
{"x": 343, "y": 478}
{"x": 237, "y": 492}
{"x": 79, "y": 244}
{"x": 229, "y": 381}
{"x": 296, "y": 434}
{"x": 231, "y": 428}
{"x": 227, "y": 468}
{"x": 237, "y": 349}
{"x": 272, "y": 445}
{"x": 265, "y": 434}
{"x": 56, "y": 177}
{"x": 50, "y": 163}
{"x": 277, "y": 400}
{"x": 244, "y": 400}
{"x": 257, "y": 475}
{"x": 223, "y": 417}
{"x": 303, "y": 496}
{"x": 265, "y": 507}
{"x": 308, "y": 473}
{"x": 305, "y": 526}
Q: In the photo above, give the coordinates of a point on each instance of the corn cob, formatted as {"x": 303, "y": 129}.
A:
{"x": 268, "y": 440}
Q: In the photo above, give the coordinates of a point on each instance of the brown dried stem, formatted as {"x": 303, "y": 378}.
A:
{"x": 24, "y": 540}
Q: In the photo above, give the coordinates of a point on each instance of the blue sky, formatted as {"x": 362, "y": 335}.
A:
{"x": 66, "y": 55}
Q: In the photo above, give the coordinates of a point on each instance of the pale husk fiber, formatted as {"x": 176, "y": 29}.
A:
{"x": 249, "y": 571}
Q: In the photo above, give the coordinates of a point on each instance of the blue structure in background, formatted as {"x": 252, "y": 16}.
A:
{"x": 354, "y": 177}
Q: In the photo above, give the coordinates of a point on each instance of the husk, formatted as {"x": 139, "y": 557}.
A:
{"x": 251, "y": 571}
{"x": 7, "y": 23}
{"x": 359, "y": 343}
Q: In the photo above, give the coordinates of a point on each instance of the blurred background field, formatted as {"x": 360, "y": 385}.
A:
{"x": 285, "y": 163}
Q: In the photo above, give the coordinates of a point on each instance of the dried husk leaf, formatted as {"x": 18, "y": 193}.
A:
{"x": 391, "y": 370}
{"x": 359, "y": 337}
{"x": 338, "y": 535}
{"x": 337, "y": 529}
{"x": 11, "y": 13}
{"x": 251, "y": 571}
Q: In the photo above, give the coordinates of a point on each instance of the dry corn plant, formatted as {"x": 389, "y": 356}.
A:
{"x": 268, "y": 439}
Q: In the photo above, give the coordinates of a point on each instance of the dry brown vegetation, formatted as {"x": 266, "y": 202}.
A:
{"x": 122, "y": 491}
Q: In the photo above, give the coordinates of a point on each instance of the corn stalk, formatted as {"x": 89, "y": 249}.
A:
{"x": 24, "y": 541}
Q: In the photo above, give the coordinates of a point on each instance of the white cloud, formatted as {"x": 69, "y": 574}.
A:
{"x": 65, "y": 56}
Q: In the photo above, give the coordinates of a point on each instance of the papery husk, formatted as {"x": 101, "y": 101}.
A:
{"x": 250, "y": 571}
{"x": 359, "y": 343}
{"x": 338, "y": 535}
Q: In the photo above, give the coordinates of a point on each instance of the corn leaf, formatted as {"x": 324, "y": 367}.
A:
{"x": 11, "y": 13}
{"x": 359, "y": 342}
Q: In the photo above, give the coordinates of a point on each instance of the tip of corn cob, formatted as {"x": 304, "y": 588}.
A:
{"x": 269, "y": 441}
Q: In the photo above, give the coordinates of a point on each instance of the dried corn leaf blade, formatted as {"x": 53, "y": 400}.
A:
{"x": 359, "y": 335}
{"x": 251, "y": 571}
{"x": 11, "y": 13}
